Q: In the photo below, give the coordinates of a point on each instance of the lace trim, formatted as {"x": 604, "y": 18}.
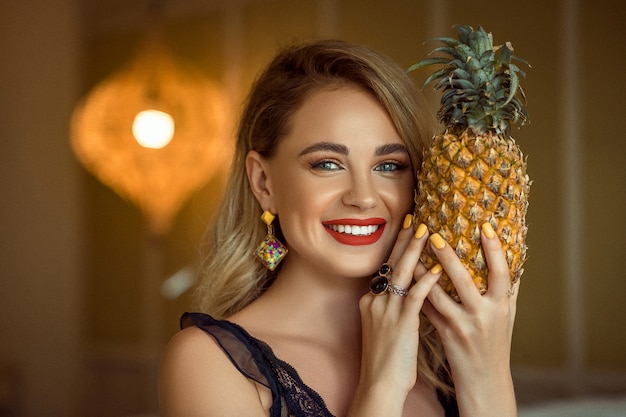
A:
{"x": 292, "y": 397}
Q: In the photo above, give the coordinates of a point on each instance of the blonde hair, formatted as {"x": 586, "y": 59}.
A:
{"x": 232, "y": 277}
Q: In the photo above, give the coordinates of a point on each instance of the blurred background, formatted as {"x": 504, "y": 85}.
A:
{"x": 87, "y": 298}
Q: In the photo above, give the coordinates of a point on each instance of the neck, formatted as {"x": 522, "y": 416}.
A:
{"x": 303, "y": 303}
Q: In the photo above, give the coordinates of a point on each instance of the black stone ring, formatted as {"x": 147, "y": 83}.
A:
{"x": 384, "y": 270}
{"x": 380, "y": 283}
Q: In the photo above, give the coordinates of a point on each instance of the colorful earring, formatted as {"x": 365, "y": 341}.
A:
{"x": 270, "y": 252}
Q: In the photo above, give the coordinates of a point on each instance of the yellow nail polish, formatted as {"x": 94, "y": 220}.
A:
{"x": 437, "y": 241}
{"x": 436, "y": 269}
{"x": 421, "y": 231}
{"x": 488, "y": 230}
{"x": 408, "y": 221}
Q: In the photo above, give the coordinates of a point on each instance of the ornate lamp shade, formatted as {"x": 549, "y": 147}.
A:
{"x": 155, "y": 131}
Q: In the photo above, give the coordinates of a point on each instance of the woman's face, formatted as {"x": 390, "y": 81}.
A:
{"x": 341, "y": 183}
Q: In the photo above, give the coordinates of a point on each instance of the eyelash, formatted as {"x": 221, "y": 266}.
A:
{"x": 391, "y": 166}
{"x": 397, "y": 166}
{"x": 323, "y": 164}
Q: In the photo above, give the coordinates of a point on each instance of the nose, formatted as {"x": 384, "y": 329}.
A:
{"x": 361, "y": 192}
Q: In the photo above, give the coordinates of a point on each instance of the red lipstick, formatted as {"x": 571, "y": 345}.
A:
{"x": 351, "y": 239}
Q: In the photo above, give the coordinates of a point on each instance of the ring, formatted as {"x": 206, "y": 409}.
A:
{"x": 397, "y": 290}
{"x": 380, "y": 283}
{"x": 384, "y": 270}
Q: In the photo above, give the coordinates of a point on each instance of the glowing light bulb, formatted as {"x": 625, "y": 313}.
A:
{"x": 153, "y": 129}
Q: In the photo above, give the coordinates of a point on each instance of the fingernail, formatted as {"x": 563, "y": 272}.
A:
{"x": 488, "y": 230}
{"x": 436, "y": 269}
{"x": 421, "y": 230}
{"x": 408, "y": 220}
{"x": 437, "y": 241}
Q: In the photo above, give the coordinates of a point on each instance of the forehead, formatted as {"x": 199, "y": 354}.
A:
{"x": 347, "y": 115}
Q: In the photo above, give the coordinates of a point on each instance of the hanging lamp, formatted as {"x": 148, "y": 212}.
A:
{"x": 154, "y": 132}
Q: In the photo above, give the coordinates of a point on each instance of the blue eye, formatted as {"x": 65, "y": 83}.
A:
{"x": 325, "y": 165}
{"x": 390, "y": 167}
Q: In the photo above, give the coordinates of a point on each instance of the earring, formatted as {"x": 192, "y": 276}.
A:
{"x": 270, "y": 252}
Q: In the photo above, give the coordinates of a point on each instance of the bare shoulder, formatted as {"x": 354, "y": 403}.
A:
{"x": 198, "y": 379}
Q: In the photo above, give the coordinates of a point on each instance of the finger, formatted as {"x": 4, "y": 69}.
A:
{"x": 404, "y": 267}
{"x": 513, "y": 294}
{"x": 444, "y": 304}
{"x": 437, "y": 320}
{"x": 420, "y": 269}
{"x": 419, "y": 292}
{"x": 404, "y": 237}
{"x": 457, "y": 272}
{"x": 499, "y": 273}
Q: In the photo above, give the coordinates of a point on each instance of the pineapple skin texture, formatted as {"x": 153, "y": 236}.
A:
{"x": 465, "y": 181}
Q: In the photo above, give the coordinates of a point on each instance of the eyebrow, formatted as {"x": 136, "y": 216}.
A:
{"x": 387, "y": 149}
{"x": 391, "y": 148}
{"x": 326, "y": 146}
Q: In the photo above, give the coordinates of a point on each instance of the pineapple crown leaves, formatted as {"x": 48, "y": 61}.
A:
{"x": 479, "y": 82}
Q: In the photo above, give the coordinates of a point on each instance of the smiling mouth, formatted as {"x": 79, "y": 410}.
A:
{"x": 354, "y": 230}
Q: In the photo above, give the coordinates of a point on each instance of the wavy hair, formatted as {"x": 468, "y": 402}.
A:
{"x": 232, "y": 277}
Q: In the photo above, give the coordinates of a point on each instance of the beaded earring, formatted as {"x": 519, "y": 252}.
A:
{"x": 270, "y": 251}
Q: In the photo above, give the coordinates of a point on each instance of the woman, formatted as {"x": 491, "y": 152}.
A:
{"x": 328, "y": 149}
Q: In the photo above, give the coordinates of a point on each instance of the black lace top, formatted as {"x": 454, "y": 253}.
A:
{"x": 255, "y": 359}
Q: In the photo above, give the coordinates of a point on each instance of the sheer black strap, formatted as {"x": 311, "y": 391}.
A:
{"x": 255, "y": 359}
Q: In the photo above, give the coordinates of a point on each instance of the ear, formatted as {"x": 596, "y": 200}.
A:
{"x": 257, "y": 169}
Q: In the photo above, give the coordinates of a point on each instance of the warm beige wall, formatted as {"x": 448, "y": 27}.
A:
{"x": 604, "y": 182}
{"x": 40, "y": 287}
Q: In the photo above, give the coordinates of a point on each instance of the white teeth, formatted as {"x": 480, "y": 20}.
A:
{"x": 354, "y": 230}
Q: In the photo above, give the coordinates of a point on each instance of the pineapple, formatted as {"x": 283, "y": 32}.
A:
{"x": 474, "y": 172}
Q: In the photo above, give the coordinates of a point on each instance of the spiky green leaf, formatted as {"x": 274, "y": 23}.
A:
{"x": 479, "y": 82}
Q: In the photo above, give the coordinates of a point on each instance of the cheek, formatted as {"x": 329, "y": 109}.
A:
{"x": 402, "y": 195}
{"x": 295, "y": 196}
{"x": 299, "y": 210}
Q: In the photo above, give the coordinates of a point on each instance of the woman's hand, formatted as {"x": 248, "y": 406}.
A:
{"x": 390, "y": 326}
{"x": 477, "y": 333}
